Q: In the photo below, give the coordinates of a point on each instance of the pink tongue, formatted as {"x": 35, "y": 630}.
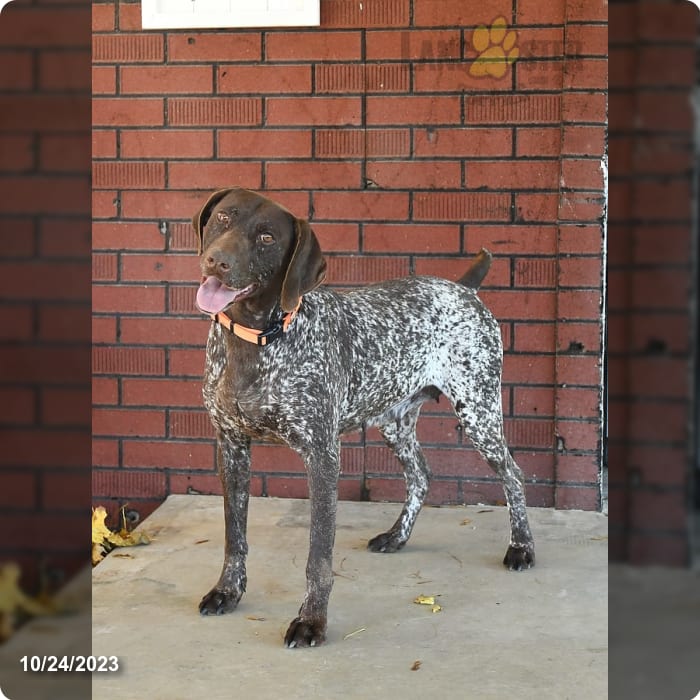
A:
{"x": 213, "y": 296}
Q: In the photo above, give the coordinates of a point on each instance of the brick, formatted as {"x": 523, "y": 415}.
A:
{"x": 49, "y": 448}
{"x": 214, "y": 47}
{"x": 105, "y": 391}
{"x": 185, "y": 363}
{"x": 413, "y": 110}
{"x": 584, "y": 107}
{"x": 16, "y": 322}
{"x": 69, "y": 154}
{"x": 108, "y": 111}
{"x": 513, "y": 175}
{"x": 453, "y": 77}
{"x": 579, "y": 337}
{"x": 53, "y": 27}
{"x": 506, "y": 304}
{"x": 287, "y": 487}
{"x": 204, "y": 484}
{"x": 19, "y": 490}
{"x": 573, "y": 402}
{"x": 364, "y": 205}
{"x": 581, "y": 206}
{"x": 104, "y": 267}
{"x": 539, "y": 75}
{"x": 542, "y": 141}
{"x": 537, "y": 208}
{"x": 168, "y": 454}
{"x": 163, "y": 331}
{"x": 389, "y": 238}
{"x": 314, "y": 176}
{"x": 461, "y": 141}
{"x": 288, "y": 111}
{"x": 104, "y": 329}
{"x": 127, "y": 484}
{"x": 264, "y": 79}
{"x": 159, "y": 204}
{"x": 129, "y": 17}
{"x": 428, "y": 13}
{"x": 103, "y": 17}
{"x": 595, "y": 11}
{"x": 125, "y": 422}
{"x": 65, "y": 406}
{"x": 64, "y": 70}
{"x": 381, "y": 13}
{"x": 105, "y": 205}
{"x": 365, "y": 270}
{"x": 140, "y": 80}
{"x": 513, "y": 109}
{"x": 21, "y": 77}
{"x": 577, "y": 498}
{"x": 153, "y": 267}
{"x": 415, "y": 175}
{"x": 535, "y": 337}
{"x": 586, "y": 74}
{"x": 531, "y": 401}
{"x": 215, "y": 111}
{"x": 128, "y": 175}
{"x": 60, "y": 195}
{"x": 264, "y": 143}
{"x": 539, "y": 42}
{"x": 17, "y": 405}
{"x": 583, "y": 140}
{"x": 66, "y": 491}
{"x": 120, "y": 360}
{"x": 16, "y": 153}
{"x": 588, "y": 39}
{"x": 535, "y": 272}
{"x": 43, "y": 276}
{"x": 533, "y": 12}
{"x": 461, "y": 206}
{"x": 104, "y": 143}
{"x": 582, "y": 370}
{"x": 212, "y": 175}
{"x": 313, "y": 46}
{"x": 181, "y": 299}
{"x": 342, "y": 238}
{"x": 190, "y": 424}
{"x": 276, "y": 458}
{"x": 580, "y": 272}
{"x": 128, "y": 48}
{"x": 362, "y": 78}
{"x": 126, "y": 236}
{"x": 356, "y": 143}
{"x": 411, "y": 45}
{"x": 161, "y": 392}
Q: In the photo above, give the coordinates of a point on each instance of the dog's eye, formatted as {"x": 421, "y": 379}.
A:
{"x": 266, "y": 238}
{"x": 223, "y": 217}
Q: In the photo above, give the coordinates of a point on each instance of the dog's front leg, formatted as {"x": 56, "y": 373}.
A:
{"x": 233, "y": 458}
{"x": 309, "y": 628}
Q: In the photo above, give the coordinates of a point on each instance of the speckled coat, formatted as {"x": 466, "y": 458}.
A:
{"x": 371, "y": 356}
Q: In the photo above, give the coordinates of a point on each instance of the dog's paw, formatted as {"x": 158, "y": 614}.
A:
{"x": 218, "y": 602}
{"x": 386, "y": 543}
{"x": 305, "y": 633}
{"x": 519, "y": 557}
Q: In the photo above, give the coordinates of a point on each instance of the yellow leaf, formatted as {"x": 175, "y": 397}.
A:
{"x": 416, "y": 666}
{"x": 425, "y": 600}
{"x": 436, "y": 608}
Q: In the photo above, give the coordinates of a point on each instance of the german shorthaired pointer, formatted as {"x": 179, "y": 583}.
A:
{"x": 291, "y": 362}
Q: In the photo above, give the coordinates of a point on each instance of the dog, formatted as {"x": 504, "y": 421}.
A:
{"x": 293, "y": 362}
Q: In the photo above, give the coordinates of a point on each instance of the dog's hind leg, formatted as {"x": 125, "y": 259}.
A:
{"x": 399, "y": 432}
{"x": 480, "y": 414}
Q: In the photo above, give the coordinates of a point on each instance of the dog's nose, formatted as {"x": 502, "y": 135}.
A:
{"x": 216, "y": 264}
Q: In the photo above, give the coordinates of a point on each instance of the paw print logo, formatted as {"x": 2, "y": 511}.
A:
{"x": 496, "y": 49}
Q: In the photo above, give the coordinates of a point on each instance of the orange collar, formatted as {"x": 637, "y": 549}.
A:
{"x": 252, "y": 335}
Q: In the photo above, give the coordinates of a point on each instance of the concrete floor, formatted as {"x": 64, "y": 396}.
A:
{"x": 536, "y": 634}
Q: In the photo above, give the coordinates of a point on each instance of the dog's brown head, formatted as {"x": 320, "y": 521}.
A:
{"x": 253, "y": 248}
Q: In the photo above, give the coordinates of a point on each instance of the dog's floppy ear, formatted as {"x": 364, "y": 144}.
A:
{"x": 307, "y": 268}
{"x": 199, "y": 220}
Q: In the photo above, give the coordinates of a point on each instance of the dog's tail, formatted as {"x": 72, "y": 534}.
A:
{"x": 474, "y": 276}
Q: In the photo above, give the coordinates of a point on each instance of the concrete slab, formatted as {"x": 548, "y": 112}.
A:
{"x": 536, "y": 634}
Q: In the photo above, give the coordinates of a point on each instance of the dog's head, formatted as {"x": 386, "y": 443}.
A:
{"x": 252, "y": 247}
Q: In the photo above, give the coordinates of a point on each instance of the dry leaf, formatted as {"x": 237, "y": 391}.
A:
{"x": 416, "y": 665}
{"x": 425, "y": 600}
{"x": 14, "y": 600}
{"x": 466, "y": 521}
{"x": 436, "y": 608}
{"x": 103, "y": 537}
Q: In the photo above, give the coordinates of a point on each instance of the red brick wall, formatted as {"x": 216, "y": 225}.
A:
{"x": 653, "y": 69}
{"x": 374, "y": 128}
{"x": 45, "y": 288}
